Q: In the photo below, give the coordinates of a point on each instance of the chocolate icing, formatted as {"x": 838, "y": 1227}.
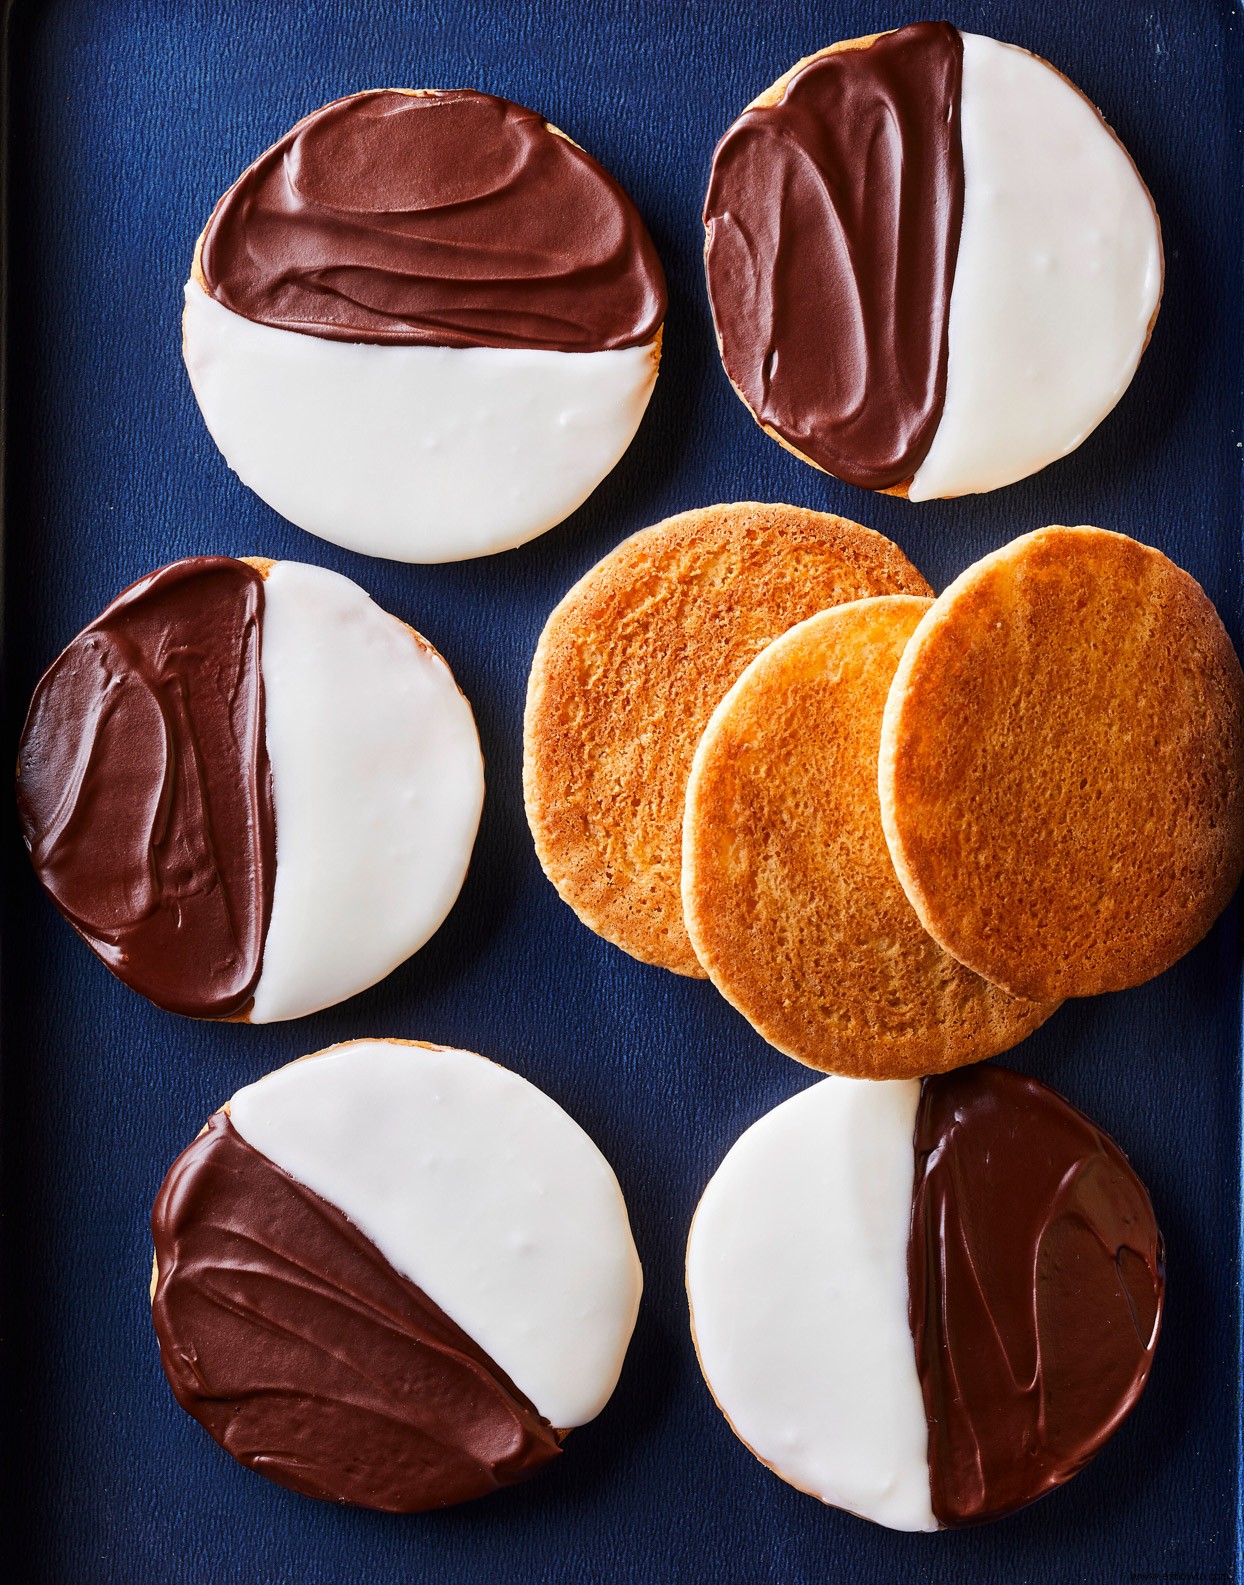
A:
{"x": 450, "y": 219}
{"x": 1036, "y": 1275}
{"x": 286, "y": 1333}
{"x": 833, "y": 221}
{"x": 144, "y": 790}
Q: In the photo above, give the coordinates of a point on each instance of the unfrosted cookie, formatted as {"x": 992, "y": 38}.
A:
{"x": 628, "y": 670}
{"x": 929, "y": 1302}
{"x": 424, "y": 325}
{"x": 789, "y": 894}
{"x": 1062, "y": 765}
{"x": 394, "y": 1275}
{"x": 249, "y": 789}
{"x": 933, "y": 267}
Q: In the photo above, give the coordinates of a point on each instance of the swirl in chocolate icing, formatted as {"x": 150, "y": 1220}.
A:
{"x": 1036, "y": 1279}
{"x": 286, "y": 1333}
{"x": 144, "y": 789}
{"x": 449, "y": 219}
{"x": 833, "y": 217}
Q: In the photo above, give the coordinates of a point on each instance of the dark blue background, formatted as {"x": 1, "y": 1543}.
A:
{"x": 129, "y": 117}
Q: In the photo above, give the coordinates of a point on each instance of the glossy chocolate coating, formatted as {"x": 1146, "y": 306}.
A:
{"x": 144, "y": 790}
{"x": 1036, "y": 1276}
{"x": 290, "y": 1338}
{"x": 447, "y": 219}
{"x": 833, "y": 220}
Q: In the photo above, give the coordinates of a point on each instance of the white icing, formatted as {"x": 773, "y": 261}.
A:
{"x": 377, "y": 787}
{"x": 1057, "y": 280}
{"x": 479, "y": 1189}
{"x": 797, "y": 1277}
{"x": 415, "y": 453}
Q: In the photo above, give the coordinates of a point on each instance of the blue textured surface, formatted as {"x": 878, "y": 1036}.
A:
{"x": 128, "y": 119}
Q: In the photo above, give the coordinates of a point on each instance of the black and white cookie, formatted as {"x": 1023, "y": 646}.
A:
{"x": 394, "y": 1275}
{"x": 424, "y": 325}
{"x": 926, "y": 1301}
{"x": 933, "y": 267}
{"x": 249, "y": 789}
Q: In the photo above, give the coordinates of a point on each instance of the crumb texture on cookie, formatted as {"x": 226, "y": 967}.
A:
{"x": 832, "y": 220}
{"x": 144, "y": 789}
{"x": 628, "y": 669}
{"x": 447, "y": 219}
{"x": 789, "y": 893}
{"x": 1062, "y": 765}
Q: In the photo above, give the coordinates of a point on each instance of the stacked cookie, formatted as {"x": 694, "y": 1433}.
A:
{"x": 906, "y": 828}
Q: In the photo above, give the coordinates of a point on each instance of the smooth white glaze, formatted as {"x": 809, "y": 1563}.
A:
{"x": 377, "y": 787}
{"x": 797, "y": 1279}
{"x": 1057, "y": 280}
{"x": 414, "y": 453}
{"x": 478, "y": 1188}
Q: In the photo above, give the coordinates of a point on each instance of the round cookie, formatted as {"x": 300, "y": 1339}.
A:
{"x": 789, "y": 895}
{"x": 250, "y": 790}
{"x": 929, "y": 1302}
{"x": 392, "y": 1274}
{"x": 627, "y": 671}
{"x": 424, "y": 325}
{"x": 1062, "y": 765}
{"x": 933, "y": 267}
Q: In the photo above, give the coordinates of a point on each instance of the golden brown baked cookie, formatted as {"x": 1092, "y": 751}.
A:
{"x": 628, "y": 670}
{"x": 788, "y": 891}
{"x": 1062, "y": 765}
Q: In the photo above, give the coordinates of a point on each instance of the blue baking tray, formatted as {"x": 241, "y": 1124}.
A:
{"x": 126, "y": 119}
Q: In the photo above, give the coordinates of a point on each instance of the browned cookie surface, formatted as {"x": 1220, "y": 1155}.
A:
{"x": 790, "y": 897}
{"x": 1062, "y": 765}
{"x": 628, "y": 669}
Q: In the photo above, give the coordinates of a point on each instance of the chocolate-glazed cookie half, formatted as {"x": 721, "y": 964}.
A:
{"x": 438, "y": 219}
{"x": 928, "y": 1302}
{"x": 832, "y": 222}
{"x": 144, "y": 788}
